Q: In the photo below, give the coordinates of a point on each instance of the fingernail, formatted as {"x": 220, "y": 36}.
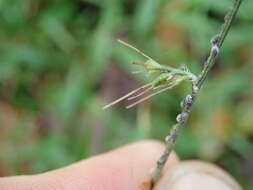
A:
{"x": 196, "y": 175}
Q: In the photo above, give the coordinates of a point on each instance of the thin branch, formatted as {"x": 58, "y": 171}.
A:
{"x": 219, "y": 39}
{"x": 187, "y": 103}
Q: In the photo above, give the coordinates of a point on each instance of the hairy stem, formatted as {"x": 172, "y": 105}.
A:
{"x": 187, "y": 103}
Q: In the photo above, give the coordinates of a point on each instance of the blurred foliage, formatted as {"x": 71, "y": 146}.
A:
{"x": 60, "y": 63}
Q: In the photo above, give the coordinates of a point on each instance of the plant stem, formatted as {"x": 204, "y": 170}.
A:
{"x": 187, "y": 103}
{"x": 220, "y": 39}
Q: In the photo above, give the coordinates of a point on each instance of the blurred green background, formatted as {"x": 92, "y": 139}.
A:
{"x": 60, "y": 63}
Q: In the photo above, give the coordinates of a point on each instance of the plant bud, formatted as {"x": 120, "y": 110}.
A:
{"x": 215, "y": 39}
{"x": 182, "y": 117}
{"x": 215, "y": 50}
{"x": 188, "y": 99}
{"x": 195, "y": 89}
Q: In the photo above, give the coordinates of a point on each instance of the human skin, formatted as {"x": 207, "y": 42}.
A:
{"x": 127, "y": 168}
